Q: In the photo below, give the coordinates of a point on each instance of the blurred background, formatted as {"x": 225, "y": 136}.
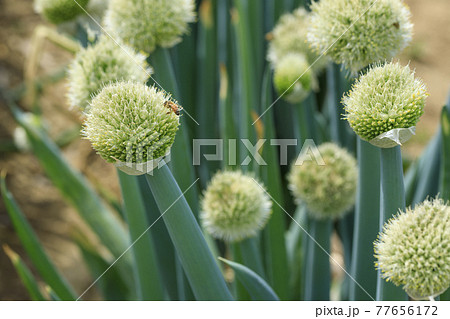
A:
{"x": 51, "y": 217}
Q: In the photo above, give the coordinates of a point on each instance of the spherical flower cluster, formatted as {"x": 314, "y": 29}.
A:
{"x": 131, "y": 123}
{"x": 234, "y": 206}
{"x": 59, "y": 11}
{"x": 327, "y": 188}
{"x": 146, "y": 24}
{"x": 357, "y": 33}
{"x": 414, "y": 249}
{"x": 293, "y": 78}
{"x": 289, "y": 37}
{"x": 100, "y": 64}
{"x": 387, "y": 97}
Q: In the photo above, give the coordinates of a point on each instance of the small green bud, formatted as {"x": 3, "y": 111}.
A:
{"x": 357, "y": 33}
{"x": 289, "y": 37}
{"x": 328, "y": 189}
{"x": 234, "y": 206}
{"x": 146, "y": 24}
{"x": 131, "y": 123}
{"x": 59, "y": 11}
{"x": 387, "y": 97}
{"x": 100, "y": 64}
{"x": 413, "y": 250}
{"x": 291, "y": 68}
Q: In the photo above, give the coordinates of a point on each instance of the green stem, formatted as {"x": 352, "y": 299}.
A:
{"x": 246, "y": 73}
{"x": 161, "y": 239}
{"x": 275, "y": 255}
{"x": 251, "y": 255}
{"x": 317, "y": 272}
{"x": 181, "y": 155}
{"x": 393, "y": 200}
{"x": 240, "y": 291}
{"x": 199, "y": 265}
{"x": 366, "y": 223}
{"x": 148, "y": 284}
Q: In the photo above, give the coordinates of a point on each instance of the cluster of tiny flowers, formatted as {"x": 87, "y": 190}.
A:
{"x": 234, "y": 206}
{"x": 131, "y": 123}
{"x": 59, "y": 11}
{"x": 289, "y": 36}
{"x": 293, "y": 78}
{"x": 146, "y": 24}
{"x": 328, "y": 190}
{"x": 101, "y": 64}
{"x": 414, "y": 249}
{"x": 387, "y": 97}
{"x": 357, "y": 33}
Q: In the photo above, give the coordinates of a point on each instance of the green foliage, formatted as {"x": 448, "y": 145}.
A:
{"x": 224, "y": 73}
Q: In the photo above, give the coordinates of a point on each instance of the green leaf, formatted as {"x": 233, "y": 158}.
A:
{"x": 25, "y": 274}
{"x": 206, "y": 83}
{"x": 317, "y": 267}
{"x": 200, "y": 267}
{"x": 273, "y": 235}
{"x": 296, "y": 240}
{"x": 226, "y": 121}
{"x": 52, "y": 294}
{"x": 110, "y": 282}
{"x": 78, "y": 192}
{"x": 251, "y": 255}
{"x": 445, "y": 153}
{"x": 255, "y": 285}
{"x": 34, "y": 248}
{"x": 246, "y": 75}
{"x": 429, "y": 170}
{"x": 148, "y": 284}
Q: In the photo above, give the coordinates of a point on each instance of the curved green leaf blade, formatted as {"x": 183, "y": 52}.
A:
{"x": 25, "y": 274}
{"x": 255, "y": 285}
{"x": 76, "y": 189}
{"x": 34, "y": 248}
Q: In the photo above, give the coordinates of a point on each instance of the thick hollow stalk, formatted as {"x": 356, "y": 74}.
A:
{"x": 181, "y": 155}
{"x": 366, "y": 223}
{"x": 165, "y": 252}
{"x": 393, "y": 200}
{"x": 317, "y": 268}
{"x": 199, "y": 265}
{"x": 275, "y": 255}
{"x": 148, "y": 284}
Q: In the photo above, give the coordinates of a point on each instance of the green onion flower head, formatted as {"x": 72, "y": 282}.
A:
{"x": 293, "y": 78}
{"x": 146, "y": 24}
{"x": 59, "y": 11}
{"x": 289, "y": 36}
{"x": 357, "y": 33}
{"x": 234, "y": 206}
{"x": 385, "y": 104}
{"x": 413, "y": 250}
{"x": 325, "y": 180}
{"x": 131, "y": 123}
{"x": 102, "y": 63}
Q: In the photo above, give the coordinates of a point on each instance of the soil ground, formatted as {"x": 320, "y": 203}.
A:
{"x": 43, "y": 205}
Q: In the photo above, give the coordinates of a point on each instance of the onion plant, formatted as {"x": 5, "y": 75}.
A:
{"x": 243, "y": 133}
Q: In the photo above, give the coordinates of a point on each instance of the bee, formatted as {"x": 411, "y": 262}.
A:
{"x": 173, "y": 107}
{"x": 396, "y": 25}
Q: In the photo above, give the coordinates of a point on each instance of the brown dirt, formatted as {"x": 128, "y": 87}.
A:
{"x": 53, "y": 219}
{"x": 428, "y": 54}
